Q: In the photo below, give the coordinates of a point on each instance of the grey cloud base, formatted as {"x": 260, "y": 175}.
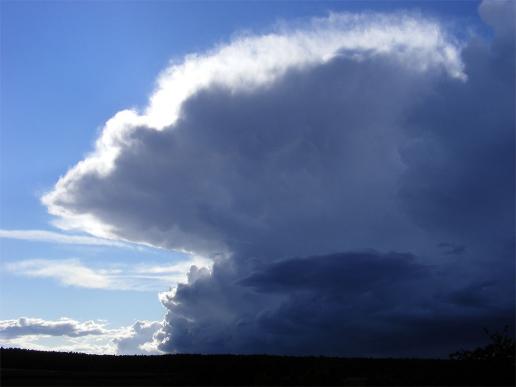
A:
{"x": 350, "y": 304}
{"x": 354, "y": 207}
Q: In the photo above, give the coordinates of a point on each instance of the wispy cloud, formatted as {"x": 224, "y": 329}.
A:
{"x": 56, "y": 237}
{"x": 139, "y": 277}
{"x": 69, "y": 272}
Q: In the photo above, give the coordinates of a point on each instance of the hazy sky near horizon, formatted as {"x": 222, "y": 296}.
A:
{"x": 324, "y": 165}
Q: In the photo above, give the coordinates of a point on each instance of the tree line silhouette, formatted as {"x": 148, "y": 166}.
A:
{"x": 492, "y": 365}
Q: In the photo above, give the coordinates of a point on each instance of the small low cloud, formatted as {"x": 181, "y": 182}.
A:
{"x": 119, "y": 276}
{"x": 25, "y": 326}
{"x": 139, "y": 338}
{"x": 66, "y": 334}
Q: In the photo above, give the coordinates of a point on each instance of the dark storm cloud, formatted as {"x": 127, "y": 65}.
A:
{"x": 361, "y": 303}
{"x": 286, "y": 170}
{"x": 336, "y": 274}
{"x": 272, "y": 147}
{"x": 389, "y": 176}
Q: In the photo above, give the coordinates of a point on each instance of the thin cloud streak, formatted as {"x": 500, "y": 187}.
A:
{"x": 61, "y": 238}
{"x": 139, "y": 277}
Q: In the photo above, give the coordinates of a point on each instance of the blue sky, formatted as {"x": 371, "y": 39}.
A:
{"x": 66, "y": 68}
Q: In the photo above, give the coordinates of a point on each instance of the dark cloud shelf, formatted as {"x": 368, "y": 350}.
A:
{"x": 26, "y": 367}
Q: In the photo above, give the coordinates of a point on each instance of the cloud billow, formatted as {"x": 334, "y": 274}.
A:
{"x": 327, "y": 185}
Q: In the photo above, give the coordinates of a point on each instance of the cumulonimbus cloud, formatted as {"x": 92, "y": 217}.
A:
{"x": 326, "y": 170}
{"x": 247, "y": 65}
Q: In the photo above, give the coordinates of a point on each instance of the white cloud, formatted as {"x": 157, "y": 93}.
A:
{"x": 87, "y": 344}
{"x": 66, "y": 334}
{"x": 25, "y": 326}
{"x": 121, "y": 276}
{"x": 68, "y": 272}
{"x": 139, "y": 338}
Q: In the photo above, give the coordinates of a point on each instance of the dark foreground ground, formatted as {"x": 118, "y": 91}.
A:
{"x": 23, "y": 367}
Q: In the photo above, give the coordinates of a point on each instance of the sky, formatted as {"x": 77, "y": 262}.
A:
{"x": 329, "y": 178}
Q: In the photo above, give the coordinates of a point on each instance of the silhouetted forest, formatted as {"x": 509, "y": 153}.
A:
{"x": 26, "y": 367}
